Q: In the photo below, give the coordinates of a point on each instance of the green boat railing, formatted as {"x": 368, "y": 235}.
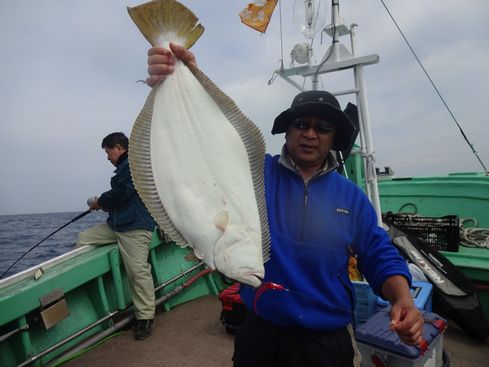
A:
{"x": 92, "y": 288}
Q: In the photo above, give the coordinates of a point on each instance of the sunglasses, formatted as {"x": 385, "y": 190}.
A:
{"x": 321, "y": 127}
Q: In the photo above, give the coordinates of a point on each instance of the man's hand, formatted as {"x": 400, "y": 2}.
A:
{"x": 93, "y": 203}
{"x": 161, "y": 62}
{"x": 406, "y": 320}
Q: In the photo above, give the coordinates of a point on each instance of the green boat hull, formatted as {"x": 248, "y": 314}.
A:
{"x": 93, "y": 284}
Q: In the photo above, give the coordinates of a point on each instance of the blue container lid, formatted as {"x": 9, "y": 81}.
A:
{"x": 375, "y": 332}
{"x": 421, "y": 291}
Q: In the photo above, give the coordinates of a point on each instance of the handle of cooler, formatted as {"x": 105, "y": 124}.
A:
{"x": 423, "y": 346}
{"x": 440, "y": 324}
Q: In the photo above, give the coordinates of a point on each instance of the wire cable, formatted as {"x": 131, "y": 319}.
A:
{"x": 330, "y": 51}
{"x": 436, "y": 89}
{"x": 275, "y": 74}
{"x": 281, "y": 36}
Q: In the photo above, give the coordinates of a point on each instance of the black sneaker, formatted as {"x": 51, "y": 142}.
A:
{"x": 143, "y": 329}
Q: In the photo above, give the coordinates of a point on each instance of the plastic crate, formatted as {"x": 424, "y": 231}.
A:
{"x": 365, "y": 302}
{"x": 422, "y": 294}
{"x": 439, "y": 233}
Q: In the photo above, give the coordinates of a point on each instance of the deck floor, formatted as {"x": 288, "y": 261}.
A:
{"x": 189, "y": 335}
{"x": 184, "y": 337}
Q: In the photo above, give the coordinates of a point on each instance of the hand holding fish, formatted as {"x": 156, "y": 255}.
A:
{"x": 161, "y": 62}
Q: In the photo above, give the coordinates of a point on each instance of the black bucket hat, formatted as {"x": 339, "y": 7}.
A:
{"x": 318, "y": 104}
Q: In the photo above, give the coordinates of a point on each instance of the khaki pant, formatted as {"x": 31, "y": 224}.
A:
{"x": 134, "y": 249}
{"x": 357, "y": 357}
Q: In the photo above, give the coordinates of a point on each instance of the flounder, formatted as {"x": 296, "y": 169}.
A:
{"x": 196, "y": 160}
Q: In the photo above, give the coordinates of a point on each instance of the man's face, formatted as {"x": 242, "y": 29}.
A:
{"x": 114, "y": 153}
{"x": 308, "y": 141}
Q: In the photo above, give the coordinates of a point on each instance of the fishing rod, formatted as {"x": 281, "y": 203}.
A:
{"x": 44, "y": 239}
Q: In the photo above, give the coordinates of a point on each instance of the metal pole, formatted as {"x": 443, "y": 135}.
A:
{"x": 371, "y": 176}
{"x": 70, "y": 338}
{"x": 362, "y": 145}
{"x": 13, "y": 332}
{"x": 361, "y": 126}
{"x": 335, "y": 16}
{"x": 178, "y": 276}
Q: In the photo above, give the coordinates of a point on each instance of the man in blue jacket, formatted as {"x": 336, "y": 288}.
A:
{"x": 316, "y": 218}
{"x": 130, "y": 225}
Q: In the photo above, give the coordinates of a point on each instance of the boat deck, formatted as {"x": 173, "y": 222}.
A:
{"x": 189, "y": 335}
{"x": 192, "y": 335}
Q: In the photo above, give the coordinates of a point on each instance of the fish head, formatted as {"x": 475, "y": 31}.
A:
{"x": 238, "y": 255}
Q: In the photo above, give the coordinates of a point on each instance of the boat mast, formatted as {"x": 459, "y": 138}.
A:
{"x": 339, "y": 58}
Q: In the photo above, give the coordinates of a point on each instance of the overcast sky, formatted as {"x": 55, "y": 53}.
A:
{"x": 68, "y": 72}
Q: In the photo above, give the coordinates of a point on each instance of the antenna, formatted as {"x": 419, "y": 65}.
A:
{"x": 310, "y": 16}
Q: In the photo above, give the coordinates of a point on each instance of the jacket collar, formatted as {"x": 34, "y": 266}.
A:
{"x": 121, "y": 159}
{"x": 121, "y": 162}
{"x": 329, "y": 165}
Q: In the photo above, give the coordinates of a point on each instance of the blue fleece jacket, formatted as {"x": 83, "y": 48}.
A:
{"x": 312, "y": 226}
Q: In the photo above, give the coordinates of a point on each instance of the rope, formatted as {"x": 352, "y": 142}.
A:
{"x": 474, "y": 236}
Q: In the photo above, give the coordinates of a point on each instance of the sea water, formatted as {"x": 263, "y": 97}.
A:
{"x": 19, "y": 233}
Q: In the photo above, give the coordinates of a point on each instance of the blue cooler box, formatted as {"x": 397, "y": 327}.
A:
{"x": 421, "y": 292}
{"x": 367, "y": 303}
{"x": 380, "y": 346}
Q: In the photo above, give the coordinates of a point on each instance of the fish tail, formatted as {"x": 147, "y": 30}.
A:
{"x": 162, "y": 21}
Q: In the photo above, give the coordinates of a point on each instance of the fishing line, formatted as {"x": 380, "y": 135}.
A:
{"x": 277, "y": 287}
{"x": 44, "y": 239}
{"x": 281, "y": 37}
{"x": 275, "y": 74}
{"x": 436, "y": 89}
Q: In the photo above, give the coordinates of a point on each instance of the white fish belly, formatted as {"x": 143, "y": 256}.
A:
{"x": 200, "y": 166}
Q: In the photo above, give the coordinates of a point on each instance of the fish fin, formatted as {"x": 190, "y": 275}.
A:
{"x": 222, "y": 220}
{"x": 142, "y": 172}
{"x": 162, "y": 21}
{"x": 254, "y": 143}
{"x": 192, "y": 256}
